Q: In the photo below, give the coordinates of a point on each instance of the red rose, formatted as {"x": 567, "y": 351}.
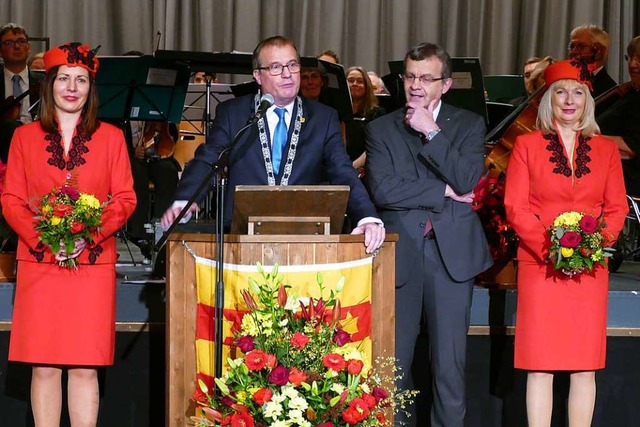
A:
{"x": 62, "y": 210}
{"x": 570, "y": 239}
{"x": 333, "y": 361}
{"x": 245, "y": 343}
{"x": 379, "y": 393}
{"x": 76, "y": 227}
{"x": 354, "y": 367}
{"x": 351, "y": 416}
{"x": 586, "y": 252}
{"x": 588, "y": 224}
{"x": 272, "y": 361}
{"x": 327, "y": 424}
{"x": 341, "y": 337}
{"x": 299, "y": 340}
{"x": 297, "y": 377}
{"x": 381, "y": 418}
{"x": 256, "y": 360}
{"x": 70, "y": 192}
{"x": 369, "y": 400}
{"x": 262, "y": 396}
{"x": 279, "y": 376}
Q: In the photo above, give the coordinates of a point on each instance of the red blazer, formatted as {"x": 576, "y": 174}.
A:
{"x": 540, "y": 186}
{"x": 100, "y": 167}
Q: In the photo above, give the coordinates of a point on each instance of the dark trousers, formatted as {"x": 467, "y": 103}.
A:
{"x": 432, "y": 299}
{"x": 163, "y": 173}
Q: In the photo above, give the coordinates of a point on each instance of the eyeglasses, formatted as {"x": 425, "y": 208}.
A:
{"x": 425, "y": 80}
{"x": 631, "y": 58}
{"x": 18, "y": 42}
{"x": 277, "y": 69}
{"x": 577, "y": 46}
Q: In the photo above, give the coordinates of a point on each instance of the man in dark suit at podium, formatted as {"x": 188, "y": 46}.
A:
{"x": 296, "y": 142}
{"x": 423, "y": 162}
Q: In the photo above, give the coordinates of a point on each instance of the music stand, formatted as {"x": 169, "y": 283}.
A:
{"x": 289, "y": 209}
{"x": 141, "y": 88}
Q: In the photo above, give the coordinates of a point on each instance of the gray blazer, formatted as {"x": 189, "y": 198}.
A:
{"x": 407, "y": 181}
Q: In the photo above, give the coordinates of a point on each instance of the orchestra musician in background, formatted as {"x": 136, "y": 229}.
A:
{"x": 17, "y": 82}
{"x": 296, "y": 142}
{"x": 590, "y": 44}
{"x": 621, "y": 121}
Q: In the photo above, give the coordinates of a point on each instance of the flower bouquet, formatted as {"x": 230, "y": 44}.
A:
{"x": 65, "y": 215}
{"x": 577, "y": 243}
{"x": 298, "y": 368}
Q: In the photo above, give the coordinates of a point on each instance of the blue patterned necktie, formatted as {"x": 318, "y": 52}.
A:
{"x": 17, "y": 90}
{"x": 279, "y": 140}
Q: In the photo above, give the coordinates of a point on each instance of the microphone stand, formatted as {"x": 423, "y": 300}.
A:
{"x": 220, "y": 169}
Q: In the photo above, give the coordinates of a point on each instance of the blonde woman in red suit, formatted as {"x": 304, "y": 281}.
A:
{"x": 564, "y": 166}
{"x": 62, "y": 318}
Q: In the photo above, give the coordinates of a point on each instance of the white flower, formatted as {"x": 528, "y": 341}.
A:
{"x": 295, "y": 416}
{"x": 278, "y": 398}
{"x": 298, "y": 402}
{"x": 272, "y": 409}
{"x": 289, "y": 391}
{"x": 284, "y": 322}
{"x": 304, "y": 423}
{"x": 337, "y": 388}
{"x": 365, "y": 388}
{"x": 292, "y": 304}
{"x": 280, "y": 424}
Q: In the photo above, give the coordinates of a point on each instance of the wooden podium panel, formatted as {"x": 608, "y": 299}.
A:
{"x": 268, "y": 250}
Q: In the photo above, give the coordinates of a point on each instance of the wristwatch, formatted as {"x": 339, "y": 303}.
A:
{"x": 431, "y": 134}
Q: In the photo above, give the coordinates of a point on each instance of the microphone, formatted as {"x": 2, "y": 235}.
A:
{"x": 266, "y": 101}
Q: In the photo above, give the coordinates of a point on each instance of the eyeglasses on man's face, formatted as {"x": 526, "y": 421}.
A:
{"x": 276, "y": 69}
{"x": 424, "y": 80}
{"x": 18, "y": 42}
{"x": 578, "y": 46}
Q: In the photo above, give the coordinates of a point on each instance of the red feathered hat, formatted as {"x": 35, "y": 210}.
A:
{"x": 72, "y": 55}
{"x": 568, "y": 69}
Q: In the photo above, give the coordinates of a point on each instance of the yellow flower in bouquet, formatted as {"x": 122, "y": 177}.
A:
{"x": 65, "y": 215}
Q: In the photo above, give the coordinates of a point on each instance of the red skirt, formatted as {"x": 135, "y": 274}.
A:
{"x": 64, "y": 317}
{"x": 561, "y": 322}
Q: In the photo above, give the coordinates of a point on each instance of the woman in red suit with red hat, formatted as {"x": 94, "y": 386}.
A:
{"x": 564, "y": 166}
{"x": 65, "y": 318}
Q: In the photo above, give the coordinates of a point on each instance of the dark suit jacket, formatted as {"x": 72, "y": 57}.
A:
{"x": 33, "y": 96}
{"x": 320, "y": 158}
{"x": 602, "y": 82}
{"x": 407, "y": 181}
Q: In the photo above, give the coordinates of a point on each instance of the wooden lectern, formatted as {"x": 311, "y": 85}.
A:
{"x": 302, "y": 217}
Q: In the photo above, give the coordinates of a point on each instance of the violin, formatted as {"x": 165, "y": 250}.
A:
{"x": 610, "y": 97}
{"x": 158, "y": 141}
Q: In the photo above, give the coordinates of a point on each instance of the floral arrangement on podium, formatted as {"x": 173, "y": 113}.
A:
{"x": 577, "y": 243}
{"x": 297, "y": 367}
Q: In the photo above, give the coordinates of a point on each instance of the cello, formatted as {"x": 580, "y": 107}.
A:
{"x": 157, "y": 140}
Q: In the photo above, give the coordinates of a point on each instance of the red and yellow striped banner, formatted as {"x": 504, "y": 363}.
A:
{"x": 355, "y": 299}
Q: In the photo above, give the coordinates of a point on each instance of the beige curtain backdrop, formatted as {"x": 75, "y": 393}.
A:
{"x": 502, "y": 33}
